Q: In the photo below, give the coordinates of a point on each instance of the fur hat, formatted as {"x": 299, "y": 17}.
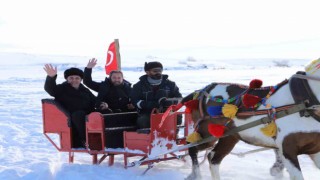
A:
{"x": 151, "y": 65}
{"x": 73, "y": 71}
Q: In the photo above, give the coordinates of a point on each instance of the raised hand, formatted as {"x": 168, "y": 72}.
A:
{"x": 92, "y": 63}
{"x": 50, "y": 70}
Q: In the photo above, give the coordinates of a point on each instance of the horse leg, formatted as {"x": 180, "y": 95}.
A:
{"x": 195, "y": 174}
{"x": 222, "y": 148}
{"x": 277, "y": 168}
{"x": 316, "y": 159}
{"x": 290, "y": 156}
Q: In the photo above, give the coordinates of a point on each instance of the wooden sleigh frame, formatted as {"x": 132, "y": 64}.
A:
{"x": 163, "y": 134}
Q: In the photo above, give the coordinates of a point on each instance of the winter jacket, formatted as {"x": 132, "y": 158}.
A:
{"x": 146, "y": 97}
{"x": 87, "y": 80}
{"x": 72, "y": 99}
{"x": 117, "y": 97}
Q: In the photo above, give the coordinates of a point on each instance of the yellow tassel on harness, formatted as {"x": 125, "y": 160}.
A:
{"x": 270, "y": 130}
{"x": 229, "y": 110}
{"x": 194, "y": 137}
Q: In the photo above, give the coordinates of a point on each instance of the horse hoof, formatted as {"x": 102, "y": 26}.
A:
{"x": 276, "y": 171}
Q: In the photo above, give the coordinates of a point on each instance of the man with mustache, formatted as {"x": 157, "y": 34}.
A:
{"x": 113, "y": 93}
{"x": 152, "y": 91}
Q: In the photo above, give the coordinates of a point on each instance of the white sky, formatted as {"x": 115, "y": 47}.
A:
{"x": 244, "y": 28}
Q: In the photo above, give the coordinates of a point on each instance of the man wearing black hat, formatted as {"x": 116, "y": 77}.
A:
{"x": 152, "y": 91}
{"x": 73, "y": 96}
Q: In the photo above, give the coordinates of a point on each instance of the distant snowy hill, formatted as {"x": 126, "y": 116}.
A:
{"x": 134, "y": 64}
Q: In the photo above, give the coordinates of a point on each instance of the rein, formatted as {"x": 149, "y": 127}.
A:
{"x": 264, "y": 111}
{"x": 255, "y": 113}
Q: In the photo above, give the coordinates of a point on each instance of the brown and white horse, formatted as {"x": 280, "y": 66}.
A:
{"x": 297, "y": 133}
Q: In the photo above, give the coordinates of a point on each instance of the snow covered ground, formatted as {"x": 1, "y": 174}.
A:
{"x": 26, "y": 154}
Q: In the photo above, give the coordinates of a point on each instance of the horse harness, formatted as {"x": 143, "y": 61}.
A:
{"x": 304, "y": 98}
{"x": 302, "y": 92}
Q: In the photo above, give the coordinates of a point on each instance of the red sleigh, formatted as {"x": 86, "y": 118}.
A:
{"x": 116, "y": 134}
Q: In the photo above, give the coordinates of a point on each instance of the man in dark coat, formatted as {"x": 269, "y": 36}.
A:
{"x": 113, "y": 93}
{"x": 152, "y": 91}
{"x": 73, "y": 96}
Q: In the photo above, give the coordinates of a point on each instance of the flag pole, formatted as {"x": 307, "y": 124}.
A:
{"x": 117, "y": 46}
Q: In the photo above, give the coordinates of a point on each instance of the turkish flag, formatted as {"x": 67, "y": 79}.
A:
{"x": 112, "y": 62}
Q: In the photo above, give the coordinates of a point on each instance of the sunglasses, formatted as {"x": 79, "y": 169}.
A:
{"x": 155, "y": 70}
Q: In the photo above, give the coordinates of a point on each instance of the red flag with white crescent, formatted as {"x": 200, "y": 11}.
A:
{"x": 111, "y": 63}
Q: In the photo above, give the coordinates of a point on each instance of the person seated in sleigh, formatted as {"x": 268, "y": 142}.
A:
{"x": 153, "y": 91}
{"x": 74, "y": 96}
{"x": 113, "y": 92}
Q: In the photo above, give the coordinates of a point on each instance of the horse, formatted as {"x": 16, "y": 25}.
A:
{"x": 224, "y": 145}
{"x": 294, "y": 134}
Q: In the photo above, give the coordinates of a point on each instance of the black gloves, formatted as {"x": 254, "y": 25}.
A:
{"x": 161, "y": 97}
{"x": 148, "y": 105}
{"x": 162, "y": 101}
